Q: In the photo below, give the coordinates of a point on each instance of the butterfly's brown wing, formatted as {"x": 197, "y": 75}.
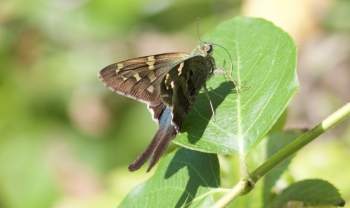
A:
{"x": 139, "y": 78}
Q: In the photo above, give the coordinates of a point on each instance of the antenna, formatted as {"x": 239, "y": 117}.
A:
{"x": 222, "y": 68}
{"x": 228, "y": 74}
{"x": 199, "y": 37}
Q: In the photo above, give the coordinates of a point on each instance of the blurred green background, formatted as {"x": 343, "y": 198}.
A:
{"x": 66, "y": 140}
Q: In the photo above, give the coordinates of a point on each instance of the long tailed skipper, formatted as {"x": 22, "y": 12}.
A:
{"x": 169, "y": 84}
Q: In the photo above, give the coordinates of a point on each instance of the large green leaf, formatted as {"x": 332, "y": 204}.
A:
{"x": 264, "y": 63}
{"x": 185, "y": 178}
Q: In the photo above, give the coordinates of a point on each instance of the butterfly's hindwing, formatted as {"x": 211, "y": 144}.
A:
{"x": 156, "y": 111}
{"x": 160, "y": 142}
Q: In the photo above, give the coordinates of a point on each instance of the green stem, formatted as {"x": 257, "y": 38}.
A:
{"x": 243, "y": 186}
{"x": 236, "y": 191}
{"x": 302, "y": 141}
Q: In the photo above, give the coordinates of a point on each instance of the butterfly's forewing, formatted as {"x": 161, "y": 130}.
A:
{"x": 139, "y": 78}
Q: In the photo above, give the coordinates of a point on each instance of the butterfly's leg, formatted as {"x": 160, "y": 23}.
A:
{"x": 221, "y": 70}
{"x": 211, "y": 104}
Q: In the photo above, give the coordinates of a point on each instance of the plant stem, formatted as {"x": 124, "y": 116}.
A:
{"x": 243, "y": 186}
{"x": 302, "y": 141}
{"x": 236, "y": 191}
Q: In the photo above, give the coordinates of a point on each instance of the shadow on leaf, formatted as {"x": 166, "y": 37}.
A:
{"x": 200, "y": 114}
{"x": 203, "y": 174}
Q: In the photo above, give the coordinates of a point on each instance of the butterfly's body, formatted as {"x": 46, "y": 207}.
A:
{"x": 168, "y": 83}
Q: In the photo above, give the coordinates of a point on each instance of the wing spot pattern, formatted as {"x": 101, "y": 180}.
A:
{"x": 150, "y": 89}
{"x": 137, "y": 77}
{"x": 151, "y": 76}
{"x": 150, "y": 62}
{"x": 120, "y": 66}
{"x": 180, "y": 68}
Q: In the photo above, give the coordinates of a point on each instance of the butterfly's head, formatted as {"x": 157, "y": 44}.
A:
{"x": 204, "y": 49}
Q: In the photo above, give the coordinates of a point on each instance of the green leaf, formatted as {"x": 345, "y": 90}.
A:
{"x": 264, "y": 63}
{"x": 276, "y": 142}
{"x": 312, "y": 192}
{"x": 185, "y": 178}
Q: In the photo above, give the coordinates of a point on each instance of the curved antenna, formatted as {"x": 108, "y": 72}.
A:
{"x": 222, "y": 69}
{"x": 228, "y": 74}
{"x": 198, "y": 30}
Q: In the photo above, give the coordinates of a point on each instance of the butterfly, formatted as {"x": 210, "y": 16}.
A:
{"x": 169, "y": 84}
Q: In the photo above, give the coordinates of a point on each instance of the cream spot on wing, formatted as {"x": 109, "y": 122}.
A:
{"x": 124, "y": 78}
{"x": 172, "y": 84}
{"x": 166, "y": 78}
{"x": 150, "y": 58}
{"x": 150, "y": 89}
{"x": 180, "y": 68}
{"x": 151, "y": 76}
{"x": 137, "y": 77}
{"x": 150, "y": 65}
{"x": 150, "y": 62}
{"x": 120, "y": 65}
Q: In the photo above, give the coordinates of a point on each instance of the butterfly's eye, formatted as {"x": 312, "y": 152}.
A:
{"x": 208, "y": 48}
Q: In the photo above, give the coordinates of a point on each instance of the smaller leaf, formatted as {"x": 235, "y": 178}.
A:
{"x": 312, "y": 192}
{"x": 276, "y": 142}
{"x": 185, "y": 178}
